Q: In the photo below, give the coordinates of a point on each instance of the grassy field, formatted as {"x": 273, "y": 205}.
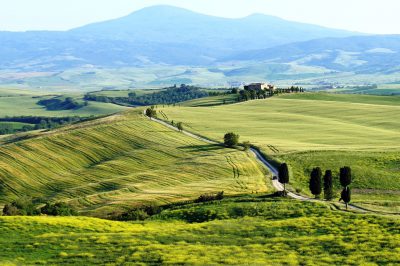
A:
{"x": 251, "y": 230}
{"x": 15, "y": 125}
{"x": 106, "y": 165}
{"x": 309, "y": 130}
{"x": 26, "y": 105}
{"x": 211, "y": 101}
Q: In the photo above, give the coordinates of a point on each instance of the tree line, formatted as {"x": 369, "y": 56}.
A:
{"x": 169, "y": 95}
{"x": 257, "y": 93}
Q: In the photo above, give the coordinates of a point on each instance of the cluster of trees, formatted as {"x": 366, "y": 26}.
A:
{"x": 27, "y": 207}
{"x": 292, "y": 89}
{"x": 254, "y": 94}
{"x": 57, "y": 104}
{"x": 38, "y": 122}
{"x": 170, "y": 95}
{"x": 316, "y": 184}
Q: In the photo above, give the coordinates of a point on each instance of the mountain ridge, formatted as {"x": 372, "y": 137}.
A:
{"x": 158, "y": 35}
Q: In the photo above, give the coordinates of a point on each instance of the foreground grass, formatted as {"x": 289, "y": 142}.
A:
{"x": 309, "y": 130}
{"x": 246, "y": 230}
{"x": 109, "y": 164}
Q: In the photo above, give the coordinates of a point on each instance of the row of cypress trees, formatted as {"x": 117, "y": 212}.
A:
{"x": 316, "y": 185}
{"x": 316, "y": 180}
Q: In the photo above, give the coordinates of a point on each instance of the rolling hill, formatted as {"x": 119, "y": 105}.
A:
{"x": 310, "y": 130}
{"x": 109, "y": 164}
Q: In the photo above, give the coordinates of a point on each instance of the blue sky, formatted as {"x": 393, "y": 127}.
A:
{"x": 370, "y": 16}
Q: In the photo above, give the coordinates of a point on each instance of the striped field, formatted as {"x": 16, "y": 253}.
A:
{"x": 123, "y": 160}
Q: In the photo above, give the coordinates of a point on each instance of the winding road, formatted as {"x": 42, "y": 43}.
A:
{"x": 277, "y": 185}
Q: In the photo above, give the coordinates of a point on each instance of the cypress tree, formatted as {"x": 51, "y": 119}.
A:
{"x": 345, "y": 181}
{"x": 345, "y": 176}
{"x": 328, "y": 185}
{"x": 346, "y": 195}
{"x": 283, "y": 175}
{"x": 315, "y": 182}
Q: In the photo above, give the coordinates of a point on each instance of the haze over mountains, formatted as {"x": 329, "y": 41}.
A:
{"x": 174, "y": 36}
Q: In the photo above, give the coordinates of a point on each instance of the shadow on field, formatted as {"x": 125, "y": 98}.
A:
{"x": 207, "y": 147}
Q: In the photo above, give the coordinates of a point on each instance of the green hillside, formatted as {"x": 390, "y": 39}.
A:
{"x": 123, "y": 160}
{"x": 26, "y": 105}
{"x": 251, "y": 230}
{"x": 309, "y": 130}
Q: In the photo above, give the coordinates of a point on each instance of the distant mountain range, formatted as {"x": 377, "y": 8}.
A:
{"x": 165, "y": 35}
{"x": 154, "y": 35}
{"x": 359, "y": 54}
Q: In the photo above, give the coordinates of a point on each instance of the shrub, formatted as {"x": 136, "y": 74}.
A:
{"x": 179, "y": 126}
{"x": 140, "y": 213}
{"x": 58, "y": 209}
{"x": 246, "y": 145}
{"x": 21, "y": 206}
{"x": 210, "y": 197}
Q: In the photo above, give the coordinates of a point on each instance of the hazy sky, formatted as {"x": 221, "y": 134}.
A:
{"x": 370, "y": 16}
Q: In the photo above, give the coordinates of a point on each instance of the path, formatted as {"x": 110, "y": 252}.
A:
{"x": 277, "y": 185}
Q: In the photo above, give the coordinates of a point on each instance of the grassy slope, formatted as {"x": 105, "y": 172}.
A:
{"x": 210, "y": 101}
{"x": 122, "y": 160}
{"x": 309, "y": 130}
{"x": 240, "y": 231}
{"x": 26, "y": 106}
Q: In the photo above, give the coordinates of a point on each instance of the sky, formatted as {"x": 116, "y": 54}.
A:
{"x": 368, "y": 16}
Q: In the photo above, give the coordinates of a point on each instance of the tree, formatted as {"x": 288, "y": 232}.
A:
{"x": 328, "y": 185}
{"x": 231, "y": 139}
{"x": 345, "y": 181}
{"x": 315, "y": 182}
{"x": 345, "y": 176}
{"x": 151, "y": 112}
{"x": 179, "y": 126}
{"x": 283, "y": 175}
{"x": 346, "y": 196}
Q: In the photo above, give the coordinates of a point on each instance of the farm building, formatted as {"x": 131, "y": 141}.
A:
{"x": 259, "y": 86}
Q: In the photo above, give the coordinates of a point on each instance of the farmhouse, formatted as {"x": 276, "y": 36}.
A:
{"x": 259, "y": 86}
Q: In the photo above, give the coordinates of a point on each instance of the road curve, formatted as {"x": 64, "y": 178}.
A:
{"x": 275, "y": 182}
